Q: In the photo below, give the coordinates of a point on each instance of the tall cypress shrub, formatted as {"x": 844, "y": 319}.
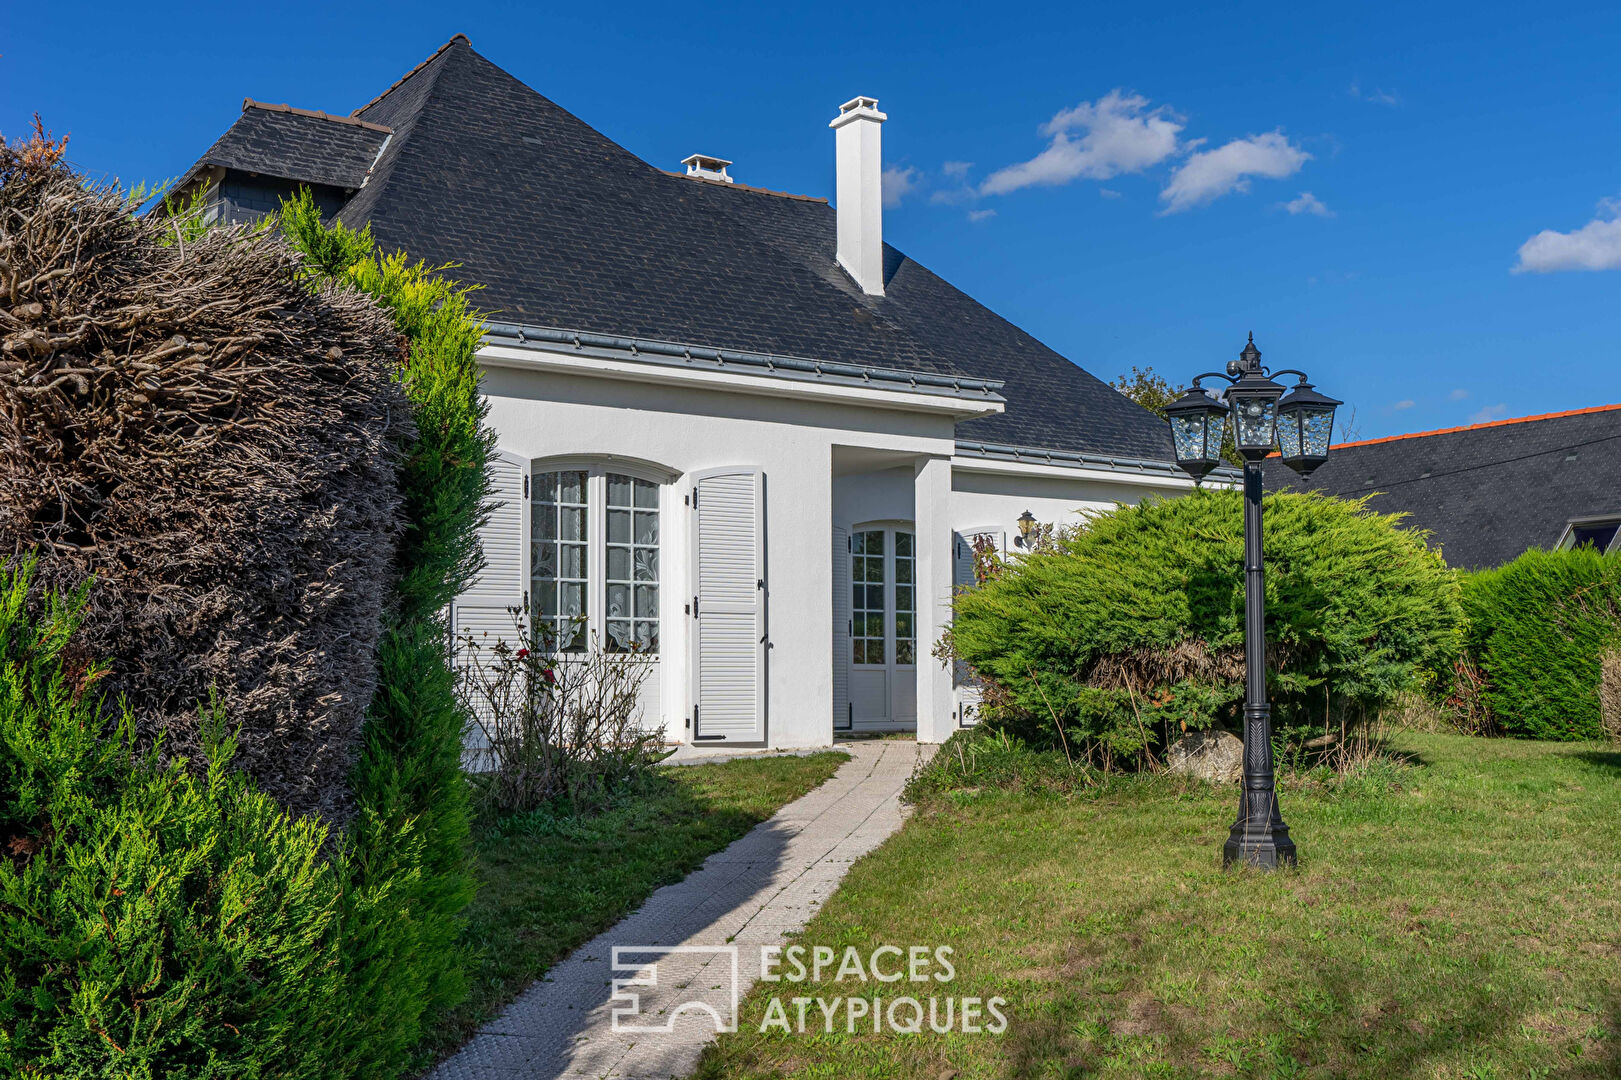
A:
{"x": 410, "y": 872}
{"x": 1538, "y": 630}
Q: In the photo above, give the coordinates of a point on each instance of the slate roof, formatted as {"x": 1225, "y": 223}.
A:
{"x": 296, "y": 144}
{"x": 566, "y": 229}
{"x": 1490, "y": 491}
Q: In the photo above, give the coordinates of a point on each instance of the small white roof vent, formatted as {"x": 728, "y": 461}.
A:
{"x": 707, "y": 168}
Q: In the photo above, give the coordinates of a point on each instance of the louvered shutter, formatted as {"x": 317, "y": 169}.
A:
{"x": 729, "y": 627}
{"x": 488, "y": 610}
{"x": 842, "y": 720}
{"x": 962, "y": 561}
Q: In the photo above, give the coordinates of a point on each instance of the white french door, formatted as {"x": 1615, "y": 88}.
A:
{"x": 594, "y": 566}
{"x": 883, "y": 627}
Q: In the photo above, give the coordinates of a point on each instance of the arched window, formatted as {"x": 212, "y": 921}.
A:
{"x": 594, "y": 559}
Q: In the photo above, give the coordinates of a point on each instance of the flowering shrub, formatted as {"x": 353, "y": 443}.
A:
{"x": 548, "y": 724}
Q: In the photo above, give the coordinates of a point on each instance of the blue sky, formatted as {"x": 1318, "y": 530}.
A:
{"x": 1133, "y": 184}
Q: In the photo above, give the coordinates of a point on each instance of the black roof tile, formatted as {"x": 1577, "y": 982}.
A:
{"x": 295, "y": 144}
{"x": 1487, "y": 492}
{"x": 564, "y": 228}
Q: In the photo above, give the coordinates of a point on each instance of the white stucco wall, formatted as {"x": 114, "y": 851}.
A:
{"x": 825, "y": 463}
{"x": 546, "y": 414}
{"x": 980, "y": 497}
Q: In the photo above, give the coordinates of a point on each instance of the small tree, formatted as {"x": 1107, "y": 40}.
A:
{"x": 1153, "y": 392}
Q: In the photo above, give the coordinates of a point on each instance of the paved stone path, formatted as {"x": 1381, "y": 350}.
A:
{"x": 704, "y": 933}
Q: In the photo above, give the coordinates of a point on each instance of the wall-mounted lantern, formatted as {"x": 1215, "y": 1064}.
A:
{"x": 1027, "y": 525}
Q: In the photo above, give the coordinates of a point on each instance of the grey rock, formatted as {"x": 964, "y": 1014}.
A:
{"x": 1216, "y": 756}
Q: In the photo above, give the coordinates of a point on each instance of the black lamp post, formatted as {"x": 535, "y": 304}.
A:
{"x": 1265, "y": 419}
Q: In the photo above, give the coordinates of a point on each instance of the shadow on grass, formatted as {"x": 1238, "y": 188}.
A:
{"x": 553, "y": 879}
{"x": 1609, "y": 760}
{"x": 1338, "y": 1021}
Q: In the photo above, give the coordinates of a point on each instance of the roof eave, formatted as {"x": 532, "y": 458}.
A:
{"x": 672, "y": 354}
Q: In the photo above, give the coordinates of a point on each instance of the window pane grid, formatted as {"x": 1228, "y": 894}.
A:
{"x": 905, "y": 603}
{"x": 632, "y": 565}
{"x": 560, "y": 506}
{"x": 867, "y": 597}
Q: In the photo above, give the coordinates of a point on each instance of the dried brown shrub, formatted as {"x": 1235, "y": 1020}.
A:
{"x": 1609, "y": 692}
{"x": 185, "y": 422}
{"x": 1188, "y": 659}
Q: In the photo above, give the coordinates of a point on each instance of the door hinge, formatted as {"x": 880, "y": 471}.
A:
{"x": 694, "y": 607}
{"x": 526, "y": 487}
{"x": 695, "y": 498}
{"x": 760, "y": 584}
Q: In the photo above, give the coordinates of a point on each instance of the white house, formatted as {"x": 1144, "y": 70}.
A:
{"x": 735, "y": 425}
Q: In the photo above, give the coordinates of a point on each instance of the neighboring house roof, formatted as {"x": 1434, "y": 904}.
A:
{"x": 563, "y": 228}
{"x": 296, "y": 144}
{"x": 1488, "y": 491}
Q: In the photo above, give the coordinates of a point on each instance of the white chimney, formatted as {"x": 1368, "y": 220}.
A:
{"x": 860, "y": 192}
{"x": 707, "y": 167}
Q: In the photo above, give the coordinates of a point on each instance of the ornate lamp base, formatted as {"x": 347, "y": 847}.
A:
{"x": 1259, "y": 837}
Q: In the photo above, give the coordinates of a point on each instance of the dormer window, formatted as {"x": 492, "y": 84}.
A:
{"x": 1599, "y": 533}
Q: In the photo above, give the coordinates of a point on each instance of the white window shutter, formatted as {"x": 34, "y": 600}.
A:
{"x": 729, "y": 613}
{"x": 962, "y": 551}
{"x": 485, "y": 611}
{"x": 842, "y": 717}
{"x": 962, "y": 561}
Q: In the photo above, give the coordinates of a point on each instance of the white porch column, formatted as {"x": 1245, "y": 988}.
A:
{"x": 932, "y": 503}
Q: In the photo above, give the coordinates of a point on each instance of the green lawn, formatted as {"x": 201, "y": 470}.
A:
{"x": 549, "y": 882}
{"x": 1459, "y": 918}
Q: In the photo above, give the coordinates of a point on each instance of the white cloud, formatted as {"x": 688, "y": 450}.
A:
{"x": 1210, "y": 174}
{"x": 899, "y": 181}
{"x": 976, "y": 216}
{"x": 1307, "y": 203}
{"x": 1108, "y": 193}
{"x": 1118, "y": 134}
{"x": 1594, "y": 246}
{"x": 1458, "y": 395}
{"x": 1405, "y": 403}
{"x": 956, "y": 169}
{"x": 1488, "y": 414}
{"x": 1376, "y": 96}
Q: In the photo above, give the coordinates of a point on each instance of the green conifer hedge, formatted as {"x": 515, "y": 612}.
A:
{"x": 1126, "y": 630}
{"x": 1538, "y": 629}
{"x": 410, "y": 875}
{"x": 162, "y": 920}
{"x": 154, "y": 920}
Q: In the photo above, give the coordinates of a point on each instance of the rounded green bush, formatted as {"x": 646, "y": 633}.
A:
{"x": 1129, "y": 628}
{"x": 1538, "y": 629}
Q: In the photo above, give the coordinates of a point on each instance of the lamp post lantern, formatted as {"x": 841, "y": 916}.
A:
{"x": 1298, "y": 426}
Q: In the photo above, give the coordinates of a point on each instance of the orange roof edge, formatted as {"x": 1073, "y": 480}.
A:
{"x": 1473, "y": 427}
{"x": 1477, "y": 427}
